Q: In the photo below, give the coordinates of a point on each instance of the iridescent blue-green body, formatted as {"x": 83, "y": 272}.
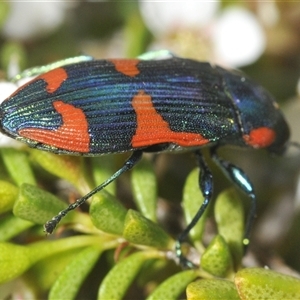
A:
{"x": 222, "y": 106}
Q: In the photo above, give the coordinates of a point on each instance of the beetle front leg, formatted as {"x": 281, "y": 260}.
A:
{"x": 206, "y": 187}
{"x": 239, "y": 177}
{"x": 129, "y": 164}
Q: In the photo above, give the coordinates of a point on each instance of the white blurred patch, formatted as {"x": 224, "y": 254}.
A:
{"x": 162, "y": 17}
{"x": 232, "y": 37}
{"x": 238, "y": 37}
{"x": 27, "y": 20}
{"x": 268, "y": 12}
{"x": 6, "y": 89}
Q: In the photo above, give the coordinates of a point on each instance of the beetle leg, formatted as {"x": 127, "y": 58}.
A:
{"x": 239, "y": 177}
{"x": 206, "y": 187}
{"x": 129, "y": 164}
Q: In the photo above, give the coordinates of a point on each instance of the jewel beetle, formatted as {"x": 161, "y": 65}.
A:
{"x": 94, "y": 107}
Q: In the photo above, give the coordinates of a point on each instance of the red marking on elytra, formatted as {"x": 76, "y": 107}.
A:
{"x": 153, "y": 129}
{"x": 54, "y": 79}
{"x": 261, "y": 137}
{"x": 127, "y": 67}
{"x": 72, "y": 135}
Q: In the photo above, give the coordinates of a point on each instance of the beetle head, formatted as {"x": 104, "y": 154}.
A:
{"x": 262, "y": 122}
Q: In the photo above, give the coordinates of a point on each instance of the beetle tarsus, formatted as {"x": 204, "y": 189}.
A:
{"x": 50, "y": 226}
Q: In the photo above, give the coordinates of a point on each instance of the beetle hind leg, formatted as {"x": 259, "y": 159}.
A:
{"x": 239, "y": 177}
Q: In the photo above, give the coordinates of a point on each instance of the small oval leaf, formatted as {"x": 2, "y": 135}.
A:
{"x": 107, "y": 213}
{"x": 18, "y": 166}
{"x": 15, "y": 259}
{"x": 119, "y": 278}
{"x": 216, "y": 259}
{"x": 143, "y": 182}
{"x": 192, "y": 200}
{"x": 139, "y": 230}
{"x": 212, "y": 289}
{"x": 69, "y": 281}
{"x": 229, "y": 215}
{"x": 63, "y": 166}
{"x": 8, "y": 195}
{"x": 36, "y": 205}
{"x": 174, "y": 286}
{"x": 256, "y": 283}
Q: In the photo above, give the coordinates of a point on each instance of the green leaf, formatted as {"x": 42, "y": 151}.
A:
{"x": 137, "y": 35}
{"x": 4, "y": 10}
{"x": 63, "y": 166}
{"x": 256, "y": 283}
{"x": 10, "y": 226}
{"x": 229, "y": 215}
{"x": 173, "y": 287}
{"x": 143, "y": 181}
{"x": 212, "y": 289}
{"x": 15, "y": 259}
{"x": 11, "y": 52}
{"x": 17, "y": 164}
{"x": 70, "y": 280}
{"x": 192, "y": 200}
{"x": 142, "y": 231}
{"x": 103, "y": 168}
{"x": 8, "y": 195}
{"x": 107, "y": 213}
{"x": 216, "y": 259}
{"x": 36, "y": 205}
{"x": 44, "y": 273}
{"x": 118, "y": 280}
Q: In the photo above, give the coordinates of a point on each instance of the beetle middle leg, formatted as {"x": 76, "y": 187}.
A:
{"x": 206, "y": 187}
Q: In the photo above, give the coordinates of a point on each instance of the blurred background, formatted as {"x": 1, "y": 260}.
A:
{"x": 260, "y": 38}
